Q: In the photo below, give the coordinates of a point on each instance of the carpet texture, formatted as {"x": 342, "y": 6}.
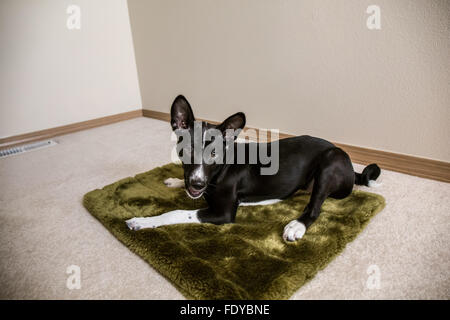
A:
{"x": 245, "y": 260}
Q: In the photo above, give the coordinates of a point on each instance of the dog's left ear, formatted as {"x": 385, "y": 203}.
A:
{"x": 234, "y": 122}
{"x": 181, "y": 115}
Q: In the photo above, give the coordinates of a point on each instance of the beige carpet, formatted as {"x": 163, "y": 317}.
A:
{"x": 408, "y": 241}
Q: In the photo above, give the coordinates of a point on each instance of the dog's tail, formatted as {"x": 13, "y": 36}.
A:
{"x": 370, "y": 173}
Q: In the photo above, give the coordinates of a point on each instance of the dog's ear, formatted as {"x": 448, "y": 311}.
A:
{"x": 234, "y": 122}
{"x": 181, "y": 115}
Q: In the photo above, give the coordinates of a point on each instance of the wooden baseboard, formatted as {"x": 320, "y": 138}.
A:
{"x": 164, "y": 116}
{"x": 59, "y": 131}
{"x": 416, "y": 166}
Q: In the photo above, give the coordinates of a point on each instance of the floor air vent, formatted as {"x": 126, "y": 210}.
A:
{"x": 27, "y": 147}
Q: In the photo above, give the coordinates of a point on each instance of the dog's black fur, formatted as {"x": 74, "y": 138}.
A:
{"x": 301, "y": 160}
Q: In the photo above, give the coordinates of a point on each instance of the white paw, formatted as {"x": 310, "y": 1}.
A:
{"x": 294, "y": 230}
{"x": 374, "y": 184}
{"x": 174, "y": 183}
{"x": 142, "y": 223}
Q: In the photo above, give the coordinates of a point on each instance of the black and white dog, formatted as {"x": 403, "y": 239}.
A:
{"x": 225, "y": 186}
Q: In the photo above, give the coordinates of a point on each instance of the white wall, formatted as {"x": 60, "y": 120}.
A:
{"x": 51, "y": 76}
{"x": 304, "y": 66}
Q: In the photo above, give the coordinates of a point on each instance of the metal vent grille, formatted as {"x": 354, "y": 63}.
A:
{"x": 27, "y": 147}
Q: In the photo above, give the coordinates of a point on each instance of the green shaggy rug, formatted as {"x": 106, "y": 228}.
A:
{"x": 245, "y": 260}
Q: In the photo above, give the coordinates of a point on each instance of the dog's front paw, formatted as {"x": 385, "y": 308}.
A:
{"x": 140, "y": 223}
{"x": 174, "y": 183}
{"x": 294, "y": 230}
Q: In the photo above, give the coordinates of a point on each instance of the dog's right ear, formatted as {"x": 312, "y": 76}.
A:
{"x": 181, "y": 115}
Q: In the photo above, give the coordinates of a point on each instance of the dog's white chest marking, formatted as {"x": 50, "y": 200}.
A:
{"x": 171, "y": 217}
{"x": 260, "y": 203}
{"x": 294, "y": 230}
{"x": 174, "y": 183}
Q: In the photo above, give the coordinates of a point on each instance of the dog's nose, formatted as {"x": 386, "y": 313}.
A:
{"x": 198, "y": 184}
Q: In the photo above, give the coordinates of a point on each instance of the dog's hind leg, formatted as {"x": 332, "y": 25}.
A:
{"x": 260, "y": 203}
{"x": 335, "y": 178}
{"x": 174, "y": 183}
